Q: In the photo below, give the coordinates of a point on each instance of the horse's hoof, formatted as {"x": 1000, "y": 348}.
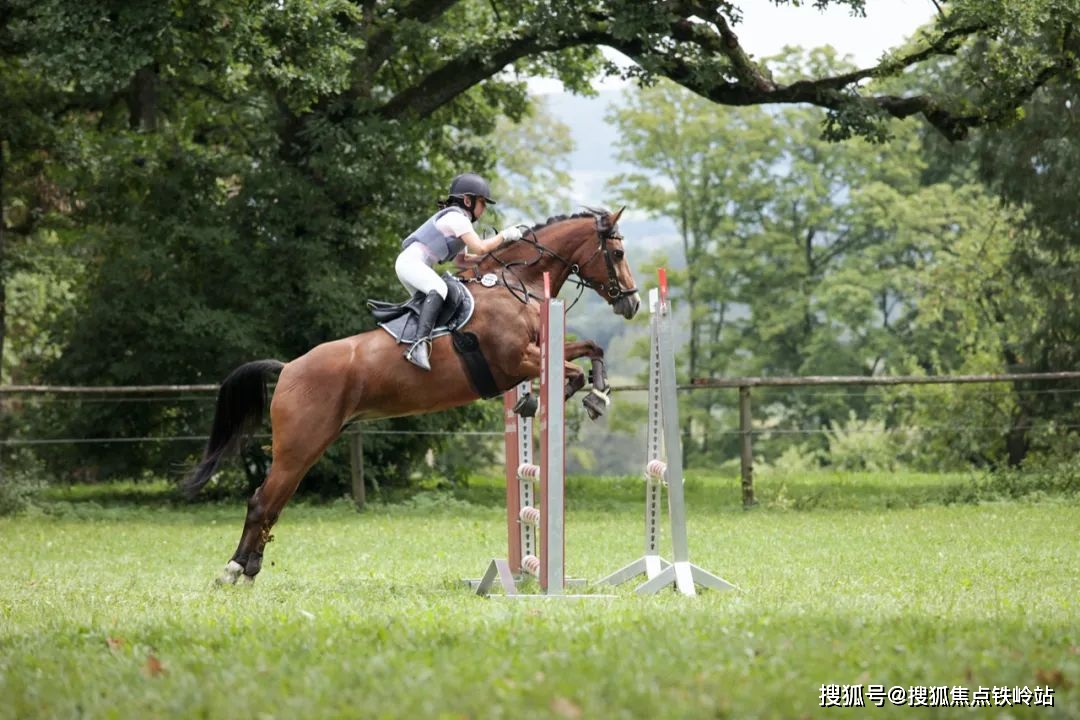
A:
{"x": 595, "y": 403}
{"x": 526, "y": 405}
{"x": 233, "y": 571}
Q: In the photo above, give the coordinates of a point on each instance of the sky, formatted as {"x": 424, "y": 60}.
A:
{"x": 766, "y": 29}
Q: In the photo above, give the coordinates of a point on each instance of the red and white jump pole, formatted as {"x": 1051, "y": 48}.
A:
{"x": 544, "y": 557}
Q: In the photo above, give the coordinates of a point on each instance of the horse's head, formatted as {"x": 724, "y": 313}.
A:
{"x": 590, "y": 246}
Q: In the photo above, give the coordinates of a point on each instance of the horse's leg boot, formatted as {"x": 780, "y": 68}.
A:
{"x": 429, "y": 312}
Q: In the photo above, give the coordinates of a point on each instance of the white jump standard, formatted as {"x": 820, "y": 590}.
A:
{"x": 663, "y": 467}
{"x": 545, "y": 557}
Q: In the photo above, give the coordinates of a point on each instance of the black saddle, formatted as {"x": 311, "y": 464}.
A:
{"x": 401, "y": 319}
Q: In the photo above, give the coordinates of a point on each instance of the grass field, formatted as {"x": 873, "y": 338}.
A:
{"x": 107, "y": 609}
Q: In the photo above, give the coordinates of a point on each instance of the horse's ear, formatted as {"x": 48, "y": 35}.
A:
{"x": 615, "y": 218}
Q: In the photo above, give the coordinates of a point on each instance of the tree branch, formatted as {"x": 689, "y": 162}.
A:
{"x": 464, "y": 71}
{"x": 752, "y": 88}
{"x": 381, "y": 45}
{"x": 716, "y": 67}
{"x": 725, "y": 42}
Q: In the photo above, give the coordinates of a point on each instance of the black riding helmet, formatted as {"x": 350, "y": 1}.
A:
{"x": 470, "y": 184}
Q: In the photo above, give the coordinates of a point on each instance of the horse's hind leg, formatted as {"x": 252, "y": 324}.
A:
{"x": 264, "y": 508}
{"x": 296, "y": 448}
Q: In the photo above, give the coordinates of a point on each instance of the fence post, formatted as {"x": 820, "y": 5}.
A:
{"x": 746, "y": 447}
{"x": 356, "y": 468}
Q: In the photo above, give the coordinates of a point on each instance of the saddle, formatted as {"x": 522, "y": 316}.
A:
{"x": 401, "y": 319}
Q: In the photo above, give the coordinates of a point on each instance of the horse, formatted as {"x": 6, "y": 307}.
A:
{"x": 365, "y": 376}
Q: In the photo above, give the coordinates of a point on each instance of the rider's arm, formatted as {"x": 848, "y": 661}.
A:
{"x": 475, "y": 245}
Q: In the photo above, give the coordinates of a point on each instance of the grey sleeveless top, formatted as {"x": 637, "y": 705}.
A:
{"x": 442, "y": 247}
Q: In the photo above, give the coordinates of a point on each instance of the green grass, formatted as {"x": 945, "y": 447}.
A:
{"x": 107, "y": 609}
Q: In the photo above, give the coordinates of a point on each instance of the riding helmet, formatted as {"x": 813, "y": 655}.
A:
{"x": 471, "y": 184}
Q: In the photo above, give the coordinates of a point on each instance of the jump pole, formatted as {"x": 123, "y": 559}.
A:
{"x": 528, "y": 555}
{"x": 663, "y": 467}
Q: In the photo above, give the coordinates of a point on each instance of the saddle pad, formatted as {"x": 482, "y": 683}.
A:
{"x": 456, "y": 312}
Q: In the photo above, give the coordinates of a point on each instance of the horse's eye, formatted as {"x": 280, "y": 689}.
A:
{"x": 618, "y": 255}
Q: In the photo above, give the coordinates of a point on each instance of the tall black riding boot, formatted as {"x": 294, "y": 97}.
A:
{"x": 429, "y": 313}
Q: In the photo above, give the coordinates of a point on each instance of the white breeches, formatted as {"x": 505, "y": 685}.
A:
{"x": 415, "y": 273}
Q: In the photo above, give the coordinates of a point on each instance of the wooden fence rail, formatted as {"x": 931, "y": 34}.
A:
{"x": 743, "y": 385}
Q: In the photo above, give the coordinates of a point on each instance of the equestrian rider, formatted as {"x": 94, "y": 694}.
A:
{"x": 440, "y": 238}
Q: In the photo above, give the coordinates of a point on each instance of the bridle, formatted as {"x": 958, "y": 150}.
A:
{"x": 612, "y": 288}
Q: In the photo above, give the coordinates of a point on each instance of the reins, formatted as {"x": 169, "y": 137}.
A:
{"x": 520, "y": 291}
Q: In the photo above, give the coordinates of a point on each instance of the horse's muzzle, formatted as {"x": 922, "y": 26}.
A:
{"x": 627, "y": 305}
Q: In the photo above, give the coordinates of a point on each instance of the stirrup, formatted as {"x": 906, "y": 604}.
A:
{"x": 419, "y": 354}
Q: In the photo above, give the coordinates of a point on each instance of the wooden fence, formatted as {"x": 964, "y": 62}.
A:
{"x": 742, "y": 385}
{"x": 746, "y": 448}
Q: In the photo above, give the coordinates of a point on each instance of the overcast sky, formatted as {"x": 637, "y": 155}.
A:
{"x": 767, "y": 28}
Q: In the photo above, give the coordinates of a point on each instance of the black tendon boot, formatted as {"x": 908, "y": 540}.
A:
{"x": 429, "y": 312}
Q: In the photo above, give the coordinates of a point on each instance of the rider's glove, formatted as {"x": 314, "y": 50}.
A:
{"x": 511, "y": 233}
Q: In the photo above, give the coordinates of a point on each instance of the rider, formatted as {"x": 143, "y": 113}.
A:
{"x": 440, "y": 238}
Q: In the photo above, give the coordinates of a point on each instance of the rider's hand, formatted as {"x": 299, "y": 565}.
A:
{"x": 511, "y": 233}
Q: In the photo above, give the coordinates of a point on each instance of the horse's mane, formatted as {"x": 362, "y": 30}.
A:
{"x": 591, "y": 212}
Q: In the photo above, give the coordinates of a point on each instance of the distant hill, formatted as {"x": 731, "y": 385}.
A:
{"x": 593, "y": 163}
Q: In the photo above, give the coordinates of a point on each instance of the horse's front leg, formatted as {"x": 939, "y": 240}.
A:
{"x": 597, "y": 401}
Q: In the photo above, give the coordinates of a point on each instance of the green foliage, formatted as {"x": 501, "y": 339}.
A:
{"x": 225, "y": 181}
{"x": 803, "y": 257}
{"x": 863, "y": 445}
{"x": 1052, "y": 472}
{"x": 21, "y": 482}
{"x": 1033, "y": 270}
{"x": 232, "y": 192}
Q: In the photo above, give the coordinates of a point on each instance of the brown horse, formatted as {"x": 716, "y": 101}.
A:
{"x": 366, "y": 377}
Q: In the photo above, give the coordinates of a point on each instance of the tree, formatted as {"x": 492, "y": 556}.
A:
{"x": 972, "y": 314}
{"x": 806, "y": 257}
{"x": 1030, "y": 166}
{"x": 218, "y": 213}
{"x": 193, "y": 156}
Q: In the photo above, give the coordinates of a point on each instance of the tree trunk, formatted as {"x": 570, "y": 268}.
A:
{"x": 143, "y": 100}
{"x": 3, "y": 259}
{"x": 1017, "y": 442}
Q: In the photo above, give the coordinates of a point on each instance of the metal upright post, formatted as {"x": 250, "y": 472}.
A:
{"x": 663, "y": 466}
{"x": 549, "y": 563}
{"x": 681, "y": 572}
{"x": 651, "y": 563}
{"x": 520, "y": 536}
{"x": 552, "y": 448}
{"x": 520, "y": 493}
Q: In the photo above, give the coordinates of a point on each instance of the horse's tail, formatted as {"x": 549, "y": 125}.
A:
{"x": 241, "y": 405}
